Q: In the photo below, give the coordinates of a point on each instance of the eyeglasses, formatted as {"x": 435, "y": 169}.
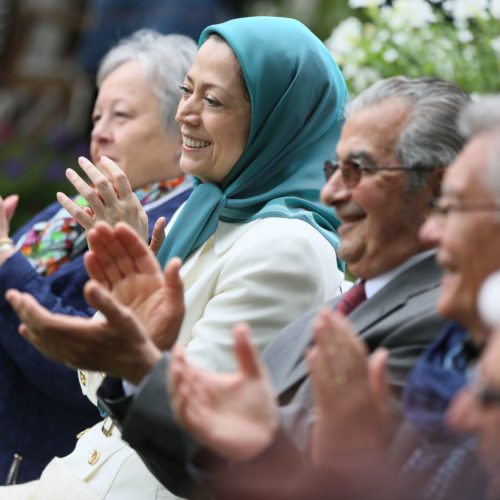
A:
{"x": 352, "y": 170}
{"x": 440, "y": 208}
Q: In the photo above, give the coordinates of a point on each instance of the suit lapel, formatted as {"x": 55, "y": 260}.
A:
{"x": 417, "y": 279}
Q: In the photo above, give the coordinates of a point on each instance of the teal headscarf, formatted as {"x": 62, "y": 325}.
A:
{"x": 297, "y": 97}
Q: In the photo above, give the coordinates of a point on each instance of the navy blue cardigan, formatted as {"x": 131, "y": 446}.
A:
{"x": 42, "y": 407}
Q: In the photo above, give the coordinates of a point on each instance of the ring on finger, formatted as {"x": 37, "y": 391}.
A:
{"x": 338, "y": 380}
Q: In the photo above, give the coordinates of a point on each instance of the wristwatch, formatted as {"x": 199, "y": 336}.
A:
{"x": 6, "y": 244}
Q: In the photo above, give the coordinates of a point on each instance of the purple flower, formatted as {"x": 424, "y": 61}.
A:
{"x": 54, "y": 171}
{"x": 81, "y": 149}
{"x": 14, "y": 168}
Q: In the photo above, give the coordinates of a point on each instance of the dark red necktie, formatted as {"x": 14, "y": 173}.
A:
{"x": 352, "y": 298}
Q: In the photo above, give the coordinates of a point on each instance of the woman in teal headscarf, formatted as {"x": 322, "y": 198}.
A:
{"x": 297, "y": 96}
{"x": 262, "y": 109}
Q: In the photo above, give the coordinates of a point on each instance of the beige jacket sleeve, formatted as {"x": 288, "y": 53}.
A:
{"x": 266, "y": 273}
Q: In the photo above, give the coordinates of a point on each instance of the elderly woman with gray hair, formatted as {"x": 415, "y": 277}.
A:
{"x": 135, "y": 145}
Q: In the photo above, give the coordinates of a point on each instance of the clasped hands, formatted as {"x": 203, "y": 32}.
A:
{"x": 142, "y": 306}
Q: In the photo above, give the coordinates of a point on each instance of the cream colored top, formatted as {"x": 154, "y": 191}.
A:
{"x": 267, "y": 273}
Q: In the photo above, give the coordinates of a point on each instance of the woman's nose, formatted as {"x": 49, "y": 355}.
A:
{"x": 188, "y": 110}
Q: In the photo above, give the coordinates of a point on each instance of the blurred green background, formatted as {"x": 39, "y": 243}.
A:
{"x": 46, "y": 97}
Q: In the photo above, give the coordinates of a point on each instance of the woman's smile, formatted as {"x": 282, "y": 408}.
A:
{"x": 214, "y": 113}
{"x": 192, "y": 143}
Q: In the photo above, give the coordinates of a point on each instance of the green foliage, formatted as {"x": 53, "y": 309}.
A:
{"x": 457, "y": 41}
{"x": 36, "y": 171}
{"x": 318, "y": 15}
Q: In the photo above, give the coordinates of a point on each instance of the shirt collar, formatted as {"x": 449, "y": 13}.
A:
{"x": 373, "y": 285}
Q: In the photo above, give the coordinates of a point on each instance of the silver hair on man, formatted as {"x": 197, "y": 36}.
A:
{"x": 165, "y": 60}
{"x": 431, "y": 138}
{"x": 478, "y": 117}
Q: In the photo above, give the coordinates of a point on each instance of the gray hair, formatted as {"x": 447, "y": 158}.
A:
{"x": 479, "y": 117}
{"x": 165, "y": 60}
{"x": 431, "y": 138}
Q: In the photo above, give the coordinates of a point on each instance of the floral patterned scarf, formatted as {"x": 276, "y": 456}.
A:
{"x": 49, "y": 244}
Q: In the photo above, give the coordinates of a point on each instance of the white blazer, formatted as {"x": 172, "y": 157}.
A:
{"x": 266, "y": 273}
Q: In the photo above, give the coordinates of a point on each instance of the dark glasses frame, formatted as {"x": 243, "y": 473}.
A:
{"x": 351, "y": 174}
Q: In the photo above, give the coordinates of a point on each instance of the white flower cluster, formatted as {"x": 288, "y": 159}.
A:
{"x": 463, "y": 10}
{"x": 453, "y": 39}
{"x": 356, "y": 4}
{"x": 408, "y": 14}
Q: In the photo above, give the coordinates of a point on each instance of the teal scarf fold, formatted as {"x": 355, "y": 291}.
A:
{"x": 297, "y": 97}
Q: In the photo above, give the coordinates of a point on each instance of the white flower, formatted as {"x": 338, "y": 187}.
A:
{"x": 357, "y": 4}
{"x": 376, "y": 46}
{"x": 358, "y": 56}
{"x": 426, "y": 33}
{"x": 350, "y": 71}
{"x": 383, "y": 35}
{"x": 465, "y": 36}
{"x": 390, "y": 55}
{"x": 446, "y": 44}
{"x": 344, "y": 38}
{"x": 406, "y": 37}
{"x": 400, "y": 38}
{"x": 363, "y": 78}
{"x": 469, "y": 53}
{"x": 406, "y": 14}
{"x": 463, "y": 10}
{"x": 495, "y": 43}
{"x": 495, "y": 8}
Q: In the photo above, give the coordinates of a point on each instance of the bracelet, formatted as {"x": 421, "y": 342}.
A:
{"x": 6, "y": 244}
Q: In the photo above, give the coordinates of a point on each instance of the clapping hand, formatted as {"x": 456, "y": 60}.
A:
{"x": 232, "y": 414}
{"x": 123, "y": 263}
{"x": 351, "y": 394}
{"x": 143, "y": 309}
{"x": 111, "y": 200}
{"x": 7, "y": 209}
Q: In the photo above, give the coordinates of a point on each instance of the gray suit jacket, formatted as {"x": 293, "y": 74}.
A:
{"x": 400, "y": 317}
